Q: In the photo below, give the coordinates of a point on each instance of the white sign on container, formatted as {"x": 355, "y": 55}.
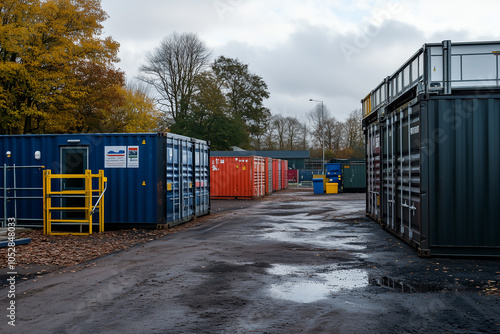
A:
{"x": 115, "y": 157}
{"x": 133, "y": 157}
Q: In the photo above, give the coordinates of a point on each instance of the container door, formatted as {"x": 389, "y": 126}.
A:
{"x": 180, "y": 180}
{"x": 270, "y": 175}
{"x": 74, "y": 160}
{"x": 173, "y": 180}
{"x": 280, "y": 176}
{"x": 414, "y": 199}
{"x": 187, "y": 180}
{"x": 389, "y": 173}
{"x": 202, "y": 173}
{"x": 373, "y": 171}
{"x": 407, "y": 192}
{"x": 263, "y": 176}
{"x": 257, "y": 177}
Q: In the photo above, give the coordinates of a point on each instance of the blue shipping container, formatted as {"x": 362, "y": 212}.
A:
{"x": 153, "y": 178}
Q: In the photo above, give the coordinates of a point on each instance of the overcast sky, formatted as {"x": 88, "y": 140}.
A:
{"x": 335, "y": 51}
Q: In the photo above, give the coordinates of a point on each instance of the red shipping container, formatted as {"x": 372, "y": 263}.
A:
{"x": 284, "y": 174}
{"x": 277, "y": 174}
{"x": 292, "y": 175}
{"x": 237, "y": 177}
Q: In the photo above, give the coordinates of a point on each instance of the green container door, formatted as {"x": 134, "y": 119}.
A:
{"x": 354, "y": 176}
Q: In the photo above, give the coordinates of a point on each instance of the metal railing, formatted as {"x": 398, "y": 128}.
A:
{"x": 439, "y": 68}
{"x": 13, "y": 194}
{"x": 88, "y": 209}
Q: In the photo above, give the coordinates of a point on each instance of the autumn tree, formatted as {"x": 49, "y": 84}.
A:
{"x": 102, "y": 92}
{"x": 46, "y": 48}
{"x": 172, "y": 69}
{"x": 137, "y": 112}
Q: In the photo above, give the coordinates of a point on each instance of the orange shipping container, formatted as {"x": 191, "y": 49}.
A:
{"x": 237, "y": 177}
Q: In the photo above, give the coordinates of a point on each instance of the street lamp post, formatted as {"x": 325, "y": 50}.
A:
{"x": 322, "y": 134}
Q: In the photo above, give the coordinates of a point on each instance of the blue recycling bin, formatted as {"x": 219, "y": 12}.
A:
{"x": 318, "y": 186}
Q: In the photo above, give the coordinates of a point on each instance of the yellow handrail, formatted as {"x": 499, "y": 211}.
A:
{"x": 87, "y": 193}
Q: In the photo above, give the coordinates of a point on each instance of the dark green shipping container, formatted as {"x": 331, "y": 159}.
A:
{"x": 432, "y": 133}
{"x": 354, "y": 176}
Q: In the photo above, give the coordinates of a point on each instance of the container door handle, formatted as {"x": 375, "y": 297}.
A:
{"x": 413, "y": 208}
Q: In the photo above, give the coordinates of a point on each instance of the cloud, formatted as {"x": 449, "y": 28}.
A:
{"x": 311, "y": 64}
{"x": 333, "y": 50}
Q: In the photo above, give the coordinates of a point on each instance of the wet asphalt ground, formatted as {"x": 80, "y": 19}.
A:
{"x": 294, "y": 262}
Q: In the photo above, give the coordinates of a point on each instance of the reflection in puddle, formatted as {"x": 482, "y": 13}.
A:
{"x": 310, "y": 231}
{"x": 332, "y": 240}
{"x": 400, "y": 286}
{"x": 309, "y": 284}
{"x": 392, "y": 283}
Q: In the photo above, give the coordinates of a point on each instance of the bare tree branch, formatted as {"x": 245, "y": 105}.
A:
{"x": 171, "y": 70}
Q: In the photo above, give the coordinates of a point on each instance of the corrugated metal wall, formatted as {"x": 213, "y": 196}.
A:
{"x": 132, "y": 192}
{"x": 284, "y": 174}
{"x": 202, "y": 178}
{"x": 187, "y": 178}
{"x": 237, "y": 177}
{"x": 439, "y": 170}
{"x": 276, "y": 174}
{"x": 269, "y": 175}
{"x": 373, "y": 170}
{"x": 461, "y": 173}
{"x": 354, "y": 176}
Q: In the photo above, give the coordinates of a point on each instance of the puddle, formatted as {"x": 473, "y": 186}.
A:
{"x": 301, "y": 225}
{"x": 307, "y": 230}
{"x": 310, "y": 284}
{"x": 329, "y": 240}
